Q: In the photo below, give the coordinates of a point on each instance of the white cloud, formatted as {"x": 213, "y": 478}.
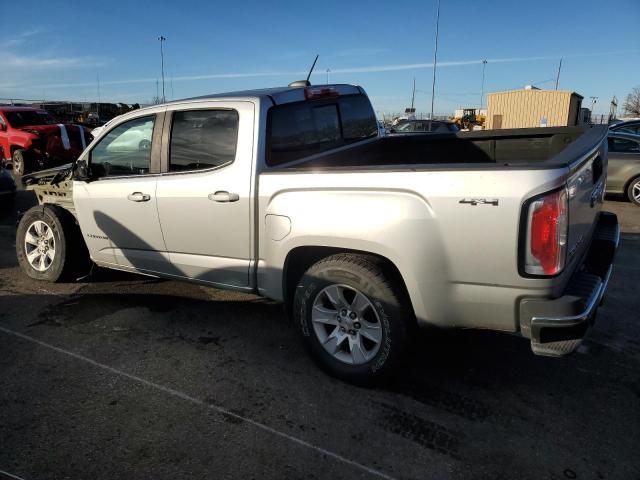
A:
{"x": 26, "y": 62}
{"x": 77, "y": 61}
{"x": 20, "y": 38}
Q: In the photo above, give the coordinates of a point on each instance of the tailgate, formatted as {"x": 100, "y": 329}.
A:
{"x": 585, "y": 188}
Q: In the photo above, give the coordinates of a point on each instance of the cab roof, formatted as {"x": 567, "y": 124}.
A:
{"x": 277, "y": 95}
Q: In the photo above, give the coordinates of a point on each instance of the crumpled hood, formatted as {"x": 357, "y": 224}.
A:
{"x": 53, "y": 128}
{"x": 64, "y": 141}
{"x": 44, "y": 176}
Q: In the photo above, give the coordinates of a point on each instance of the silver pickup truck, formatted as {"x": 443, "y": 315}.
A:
{"x": 291, "y": 194}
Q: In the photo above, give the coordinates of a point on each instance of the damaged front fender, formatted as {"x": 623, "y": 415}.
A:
{"x": 53, "y": 186}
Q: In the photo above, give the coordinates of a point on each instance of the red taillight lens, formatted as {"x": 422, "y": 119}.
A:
{"x": 319, "y": 92}
{"x": 547, "y": 240}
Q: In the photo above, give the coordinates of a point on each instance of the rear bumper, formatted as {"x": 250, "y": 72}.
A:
{"x": 556, "y": 326}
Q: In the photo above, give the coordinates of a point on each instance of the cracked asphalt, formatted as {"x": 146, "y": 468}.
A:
{"x": 121, "y": 376}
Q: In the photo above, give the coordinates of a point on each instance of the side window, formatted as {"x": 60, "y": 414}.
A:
{"x": 203, "y": 139}
{"x": 125, "y": 150}
{"x": 635, "y": 129}
{"x": 622, "y": 145}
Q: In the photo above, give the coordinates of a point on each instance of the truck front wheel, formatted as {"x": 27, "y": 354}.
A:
{"x": 48, "y": 244}
{"x": 20, "y": 162}
{"x": 351, "y": 317}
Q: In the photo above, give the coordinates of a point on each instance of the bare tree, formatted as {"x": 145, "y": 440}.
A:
{"x": 632, "y": 103}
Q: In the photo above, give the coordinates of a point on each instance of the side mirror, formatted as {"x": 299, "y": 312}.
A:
{"x": 81, "y": 172}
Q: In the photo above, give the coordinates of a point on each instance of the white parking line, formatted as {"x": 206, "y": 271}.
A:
{"x": 188, "y": 398}
{"x": 10, "y": 475}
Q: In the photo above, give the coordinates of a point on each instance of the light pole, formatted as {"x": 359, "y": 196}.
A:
{"x": 435, "y": 61}
{"x": 593, "y": 106}
{"x": 484, "y": 64}
{"x": 328, "y": 72}
{"x": 162, "y": 40}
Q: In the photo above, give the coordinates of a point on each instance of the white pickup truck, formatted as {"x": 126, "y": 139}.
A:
{"x": 291, "y": 194}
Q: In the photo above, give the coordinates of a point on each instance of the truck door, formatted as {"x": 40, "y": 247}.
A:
{"x": 204, "y": 194}
{"x": 116, "y": 208}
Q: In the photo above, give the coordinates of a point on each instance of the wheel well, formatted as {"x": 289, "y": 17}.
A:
{"x": 300, "y": 259}
{"x": 14, "y": 148}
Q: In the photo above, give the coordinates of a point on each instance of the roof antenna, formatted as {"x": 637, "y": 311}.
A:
{"x": 305, "y": 83}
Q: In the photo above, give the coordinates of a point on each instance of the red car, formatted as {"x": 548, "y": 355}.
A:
{"x": 31, "y": 139}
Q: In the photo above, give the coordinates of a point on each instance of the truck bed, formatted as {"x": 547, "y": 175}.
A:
{"x": 525, "y": 148}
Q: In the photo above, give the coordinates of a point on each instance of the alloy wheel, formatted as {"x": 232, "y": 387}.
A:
{"x": 346, "y": 324}
{"x": 40, "y": 246}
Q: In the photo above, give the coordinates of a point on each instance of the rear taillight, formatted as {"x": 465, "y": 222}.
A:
{"x": 312, "y": 93}
{"x": 547, "y": 225}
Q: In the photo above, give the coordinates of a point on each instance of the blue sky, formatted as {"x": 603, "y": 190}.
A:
{"x": 58, "y": 48}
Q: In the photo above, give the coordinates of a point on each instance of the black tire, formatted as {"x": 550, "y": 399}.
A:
{"x": 20, "y": 162}
{"x": 633, "y": 191}
{"x": 366, "y": 275}
{"x": 71, "y": 255}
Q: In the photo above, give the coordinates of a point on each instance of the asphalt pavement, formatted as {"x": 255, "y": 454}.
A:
{"x": 123, "y": 376}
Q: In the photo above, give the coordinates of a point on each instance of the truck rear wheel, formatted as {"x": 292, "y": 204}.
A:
{"x": 20, "y": 162}
{"x": 48, "y": 244}
{"x": 352, "y": 318}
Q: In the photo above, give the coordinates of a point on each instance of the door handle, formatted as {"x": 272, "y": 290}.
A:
{"x": 222, "y": 196}
{"x": 139, "y": 197}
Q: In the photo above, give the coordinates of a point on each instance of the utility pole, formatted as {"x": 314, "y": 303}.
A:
{"x": 413, "y": 95}
{"x": 162, "y": 40}
{"x": 98, "y": 105}
{"x": 558, "y": 76}
{"x": 484, "y": 64}
{"x": 328, "y": 72}
{"x": 157, "y": 93}
{"x": 435, "y": 61}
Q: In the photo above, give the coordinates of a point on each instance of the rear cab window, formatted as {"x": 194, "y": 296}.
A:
{"x": 300, "y": 129}
{"x": 202, "y": 139}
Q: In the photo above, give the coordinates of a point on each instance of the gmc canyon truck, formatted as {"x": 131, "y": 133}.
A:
{"x": 291, "y": 194}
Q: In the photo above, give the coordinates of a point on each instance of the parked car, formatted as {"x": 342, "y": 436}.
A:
{"x": 31, "y": 139}
{"x": 290, "y": 193}
{"x": 7, "y": 188}
{"x": 624, "y": 165}
{"x": 422, "y": 126}
{"x": 629, "y": 126}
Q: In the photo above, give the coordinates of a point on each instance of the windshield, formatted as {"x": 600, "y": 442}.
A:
{"x": 29, "y": 117}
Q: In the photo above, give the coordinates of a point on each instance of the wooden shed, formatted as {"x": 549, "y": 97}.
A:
{"x": 532, "y": 107}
